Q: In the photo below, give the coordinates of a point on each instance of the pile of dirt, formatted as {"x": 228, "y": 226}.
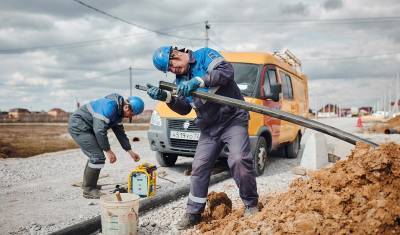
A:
{"x": 359, "y": 195}
{"x": 218, "y": 206}
{"x": 393, "y": 123}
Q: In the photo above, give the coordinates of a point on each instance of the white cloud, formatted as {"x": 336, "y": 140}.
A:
{"x": 56, "y": 76}
{"x": 17, "y": 79}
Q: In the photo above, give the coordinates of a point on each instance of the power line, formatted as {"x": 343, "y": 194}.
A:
{"x": 79, "y": 44}
{"x": 71, "y": 68}
{"x": 352, "y": 57}
{"x": 316, "y": 21}
{"x": 133, "y": 24}
{"x": 213, "y": 42}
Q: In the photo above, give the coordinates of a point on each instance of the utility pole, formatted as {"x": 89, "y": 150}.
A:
{"x": 130, "y": 87}
{"x": 207, "y": 27}
{"x": 130, "y": 81}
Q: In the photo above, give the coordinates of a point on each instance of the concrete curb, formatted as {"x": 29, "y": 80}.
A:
{"x": 315, "y": 154}
{"x": 93, "y": 226}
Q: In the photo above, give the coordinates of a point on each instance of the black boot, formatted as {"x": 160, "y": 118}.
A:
{"x": 188, "y": 220}
{"x": 90, "y": 178}
{"x": 97, "y": 186}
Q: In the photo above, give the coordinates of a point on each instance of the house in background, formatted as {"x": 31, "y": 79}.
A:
{"x": 365, "y": 110}
{"x": 18, "y": 113}
{"x": 329, "y": 110}
{"x": 57, "y": 113}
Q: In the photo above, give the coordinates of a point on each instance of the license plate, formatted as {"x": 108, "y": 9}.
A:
{"x": 185, "y": 135}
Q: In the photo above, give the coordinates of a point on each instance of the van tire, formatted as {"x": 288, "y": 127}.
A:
{"x": 260, "y": 155}
{"x": 293, "y": 148}
{"x": 166, "y": 160}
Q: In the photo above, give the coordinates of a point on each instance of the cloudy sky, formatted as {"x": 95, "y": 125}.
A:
{"x": 54, "y": 53}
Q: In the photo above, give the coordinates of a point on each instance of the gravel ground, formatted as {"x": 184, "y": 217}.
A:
{"x": 37, "y": 196}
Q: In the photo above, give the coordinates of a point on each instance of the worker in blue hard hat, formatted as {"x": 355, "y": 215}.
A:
{"x": 88, "y": 127}
{"x": 220, "y": 125}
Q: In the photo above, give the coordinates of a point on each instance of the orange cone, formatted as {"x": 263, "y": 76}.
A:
{"x": 359, "y": 122}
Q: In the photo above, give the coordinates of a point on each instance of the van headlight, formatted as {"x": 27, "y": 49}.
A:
{"x": 155, "y": 119}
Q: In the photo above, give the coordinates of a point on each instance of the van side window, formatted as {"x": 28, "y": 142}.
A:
{"x": 267, "y": 85}
{"x": 286, "y": 86}
{"x": 290, "y": 87}
{"x": 272, "y": 76}
{"x": 269, "y": 79}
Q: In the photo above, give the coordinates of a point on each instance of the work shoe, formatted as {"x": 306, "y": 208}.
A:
{"x": 188, "y": 220}
{"x": 250, "y": 211}
{"x": 89, "y": 184}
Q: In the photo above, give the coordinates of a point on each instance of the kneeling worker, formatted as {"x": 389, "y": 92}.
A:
{"x": 88, "y": 127}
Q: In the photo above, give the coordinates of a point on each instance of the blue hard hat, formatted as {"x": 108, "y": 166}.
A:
{"x": 161, "y": 58}
{"x": 137, "y": 104}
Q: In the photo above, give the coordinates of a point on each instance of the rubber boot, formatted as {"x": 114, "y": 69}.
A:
{"x": 188, "y": 220}
{"x": 90, "y": 178}
{"x": 97, "y": 186}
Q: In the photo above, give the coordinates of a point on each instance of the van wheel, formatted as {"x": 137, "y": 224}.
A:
{"x": 166, "y": 160}
{"x": 260, "y": 156}
{"x": 293, "y": 148}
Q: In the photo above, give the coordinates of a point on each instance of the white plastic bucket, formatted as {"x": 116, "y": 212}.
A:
{"x": 119, "y": 217}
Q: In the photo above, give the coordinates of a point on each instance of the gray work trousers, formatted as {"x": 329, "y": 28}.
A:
{"x": 89, "y": 146}
{"x": 240, "y": 163}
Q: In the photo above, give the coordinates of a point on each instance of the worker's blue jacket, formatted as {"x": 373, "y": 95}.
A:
{"x": 218, "y": 77}
{"x": 98, "y": 116}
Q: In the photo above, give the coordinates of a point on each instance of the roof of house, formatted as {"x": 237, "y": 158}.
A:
{"x": 57, "y": 110}
{"x": 19, "y": 110}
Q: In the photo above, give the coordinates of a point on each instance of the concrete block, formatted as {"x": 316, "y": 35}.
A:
{"x": 315, "y": 154}
{"x": 298, "y": 170}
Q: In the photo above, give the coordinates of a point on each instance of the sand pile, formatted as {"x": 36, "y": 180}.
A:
{"x": 359, "y": 195}
{"x": 393, "y": 123}
{"x": 218, "y": 206}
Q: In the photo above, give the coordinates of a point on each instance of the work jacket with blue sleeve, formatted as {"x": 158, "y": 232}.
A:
{"x": 218, "y": 76}
{"x": 100, "y": 115}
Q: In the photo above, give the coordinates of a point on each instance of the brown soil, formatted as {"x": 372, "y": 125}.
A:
{"x": 218, "y": 206}
{"x": 393, "y": 123}
{"x": 27, "y": 140}
{"x": 359, "y": 195}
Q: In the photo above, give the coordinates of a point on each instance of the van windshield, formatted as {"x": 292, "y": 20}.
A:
{"x": 246, "y": 77}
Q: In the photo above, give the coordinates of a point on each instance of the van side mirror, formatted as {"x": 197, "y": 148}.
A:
{"x": 276, "y": 89}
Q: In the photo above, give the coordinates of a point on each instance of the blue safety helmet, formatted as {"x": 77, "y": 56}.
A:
{"x": 137, "y": 104}
{"x": 161, "y": 58}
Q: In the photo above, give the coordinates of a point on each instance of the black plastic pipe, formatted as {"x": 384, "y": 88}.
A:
{"x": 391, "y": 131}
{"x": 329, "y": 130}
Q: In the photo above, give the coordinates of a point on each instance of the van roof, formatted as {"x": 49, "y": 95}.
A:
{"x": 259, "y": 58}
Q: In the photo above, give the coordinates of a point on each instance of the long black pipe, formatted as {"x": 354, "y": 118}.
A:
{"x": 329, "y": 130}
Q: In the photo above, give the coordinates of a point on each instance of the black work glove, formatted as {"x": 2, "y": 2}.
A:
{"x": 156, "y": 93}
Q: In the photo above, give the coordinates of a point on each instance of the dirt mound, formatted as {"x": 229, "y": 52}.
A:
{"x": 218, "y": 206}
{"x": 359, "y": 195}
{"x": 393, "y": 123}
